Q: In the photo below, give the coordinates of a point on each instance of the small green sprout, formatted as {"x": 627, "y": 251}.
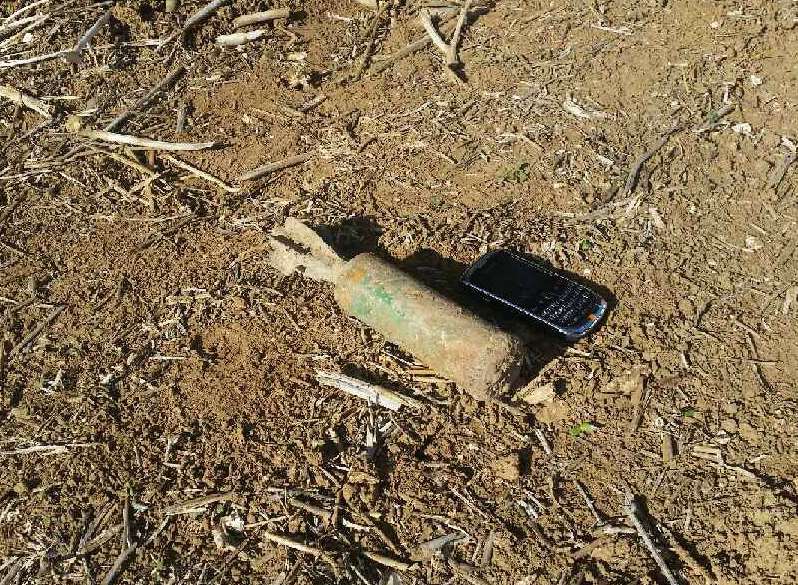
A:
{"x": 517, "y": 174}
{"x": 583, "y": 428}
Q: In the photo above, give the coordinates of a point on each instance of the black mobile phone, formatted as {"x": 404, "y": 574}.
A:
{"x": 536, "y": 292}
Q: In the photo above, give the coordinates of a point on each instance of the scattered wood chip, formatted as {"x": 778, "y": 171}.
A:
{"x": 487, "y": 550}
{"x": 552, "y": 412}
{"x": 436, "y": 544}
{"x": 668, "y": 447}
{"x": 371, "y": 4}
{"x": 533, "y": 394}
{"x": 507, "y": 467}
{"x": 573, "y": 108}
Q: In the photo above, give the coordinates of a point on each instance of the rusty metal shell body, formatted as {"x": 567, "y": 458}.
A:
{"x": 473, "y": 353}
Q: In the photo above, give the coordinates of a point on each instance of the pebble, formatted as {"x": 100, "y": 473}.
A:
{"x": 507, "y": 468}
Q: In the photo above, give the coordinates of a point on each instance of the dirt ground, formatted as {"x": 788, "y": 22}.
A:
{"x": 160, "y": 418}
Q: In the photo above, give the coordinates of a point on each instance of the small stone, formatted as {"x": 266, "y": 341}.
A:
{"x": 553, "y": 412}
{"x": 74, "y": 124}
{"x": 507, "y": 468}
{"x": 729, "y": 425}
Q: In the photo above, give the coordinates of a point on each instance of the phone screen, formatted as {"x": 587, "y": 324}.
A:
{"x": 519, "y": 282}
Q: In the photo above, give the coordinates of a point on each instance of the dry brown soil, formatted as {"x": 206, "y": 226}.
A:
{"x": 183, "y": 367}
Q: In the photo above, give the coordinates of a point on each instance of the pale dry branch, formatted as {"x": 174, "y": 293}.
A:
{"x": 200, "y": 173}
{"x": 74, "y": 55}
{"x": 258, "y": 17}
{"x": 240, "y": 38}
{"x": 197, "y": 504}
{"x": 370, "y": 392}
{"x": 632, "y": 510}
{"x": 23, "y": 99}
{"x": 129, "y": 140}
{"x": 452, "y": 58}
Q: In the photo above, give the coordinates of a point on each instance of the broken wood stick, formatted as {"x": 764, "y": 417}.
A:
{"x": 279, "y": 165}
{"x": 258, "y": 17}
{"x": 452, "y": 59}
{"x": 47, "y": 449}
{"x": 73, "y": 56}
{"x": 296, "y": 545}
{"x": 634, "y": 172}
{"x": 125, "y": 160}
{"x": 632, "y": 509}
{"x": 129, "y": 546}
{"x": 197, "y": 504}
{"x": 23, "y": 99}
{"x": 129, "y": 140}
{"x": 413, "y": 47}
{"x": 147, "y": 99}
{"x": 202, "y": 14}
{"x": 387, "y": 561}
{"x": 240, "y": 38}
{"x": 377, "y": 395}
{"x": 426, "y": 22}
{"x": 200, "y": 173}
{"x": 36, "y": 59}
{"x": 31, "y": 337}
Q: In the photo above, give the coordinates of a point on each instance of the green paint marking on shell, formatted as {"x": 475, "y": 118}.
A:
{"x": 374, "y": 298}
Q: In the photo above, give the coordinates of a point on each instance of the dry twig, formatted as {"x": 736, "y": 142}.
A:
{"x": 632, "y": 509}
{"x": 200, "y": 173}
{"x": 240, "y": 38}
{"x": 296, "y": 545}
{"x": 144, "y": 142}
{"x": 197, "y": 504}
{"x": 23, "y": 99}
{"x": 634, "y": 172}
{"x": 452, "y": 58}
{"x": 31, "y": 337}
{"x": 47, "y": 449}
{"x": 258, "y": 17}
{"x": 73, "y": 56}
{"x": 276, "y": 166}
{"x": 202, "y": 14}
{"x": 371, "y": 392}
{"x": 147, "y": 99}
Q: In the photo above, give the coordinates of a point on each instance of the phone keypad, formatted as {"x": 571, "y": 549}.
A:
{"x": 570, "y": 308}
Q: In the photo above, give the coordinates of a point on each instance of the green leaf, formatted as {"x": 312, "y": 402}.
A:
{"x": 689, "y": 413}
{"x": 582, "y": 428}
{"x": 517, "y": 174}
